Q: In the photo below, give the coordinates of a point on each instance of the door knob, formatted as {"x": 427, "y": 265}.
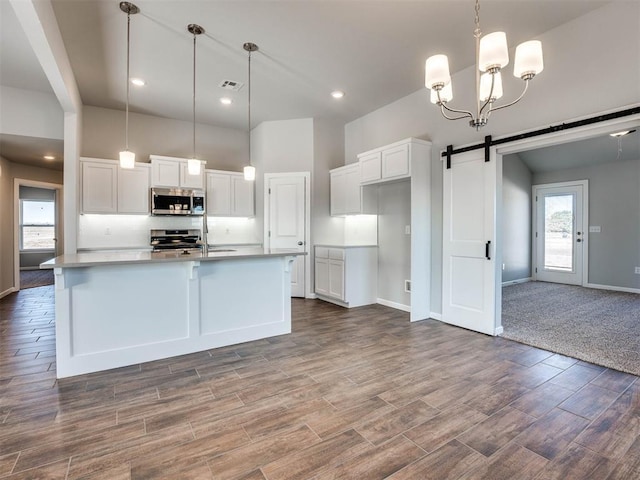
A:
{"x": 579, "y": 240}
{"x": 300, "y": 243}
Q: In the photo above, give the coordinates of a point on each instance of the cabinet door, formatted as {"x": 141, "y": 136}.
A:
{"x": 133, "y": 190}
{"x": 191, "y": 181}
{"x": 322, "y": 276}
{"x": 218, "y": 194}
{"x": 242, "y": 204}
{"x": 370, "y": 167}
{"x": 99, "y": 187}
{"x": 352, "y": 197}
{"x": 336, "y": 279}
{"x": 338, "y": 192}
{"x": 165, "y": 173}
{"x": 395, "y": 162}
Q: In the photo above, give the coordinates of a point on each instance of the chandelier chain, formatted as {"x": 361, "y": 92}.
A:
{"x": 477, "y": 32}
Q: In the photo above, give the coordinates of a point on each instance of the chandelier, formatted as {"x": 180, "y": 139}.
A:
{"x": 127, "y": 157}
{"x": 491, "y": 56}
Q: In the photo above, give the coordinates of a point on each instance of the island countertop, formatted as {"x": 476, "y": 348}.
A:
{"x": 96, "y": 258}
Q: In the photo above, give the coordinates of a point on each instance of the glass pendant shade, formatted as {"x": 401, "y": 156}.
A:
{"x": 493, "y": 51}
{"x": 446, "y": 94}
{"x": 193, "y": 166}
{"x": 249, "y": 173}
{"x": 436, "y": 71}
{"x": 127, "y": 159}
{"x": 485, "y": 86}
{"x": 528, "y": 59}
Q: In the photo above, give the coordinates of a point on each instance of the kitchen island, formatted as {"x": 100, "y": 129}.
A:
{"x": 123, "y": 308}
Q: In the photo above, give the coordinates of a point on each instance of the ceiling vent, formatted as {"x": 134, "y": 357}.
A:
{"x": 231, "y": 85}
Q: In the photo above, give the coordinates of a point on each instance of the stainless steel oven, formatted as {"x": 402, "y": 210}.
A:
{"x": 177, "y": 201}
{"x": 184, "y": 240}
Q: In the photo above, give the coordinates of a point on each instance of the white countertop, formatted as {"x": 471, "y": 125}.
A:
{"x": 92, "y": 259}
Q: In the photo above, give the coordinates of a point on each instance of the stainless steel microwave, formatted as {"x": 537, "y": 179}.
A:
{"x": 177, "y": 201}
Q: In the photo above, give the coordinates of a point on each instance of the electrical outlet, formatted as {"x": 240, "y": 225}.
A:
{"x": 107, "y": 231}
{"x": 595, "y": 229}
{"x": 637, "y": 270}
{"x": 407, "y": 286}
{"x": 407, "y": 229}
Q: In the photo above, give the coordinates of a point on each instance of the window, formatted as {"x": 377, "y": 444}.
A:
{"x": 37, "y": 225}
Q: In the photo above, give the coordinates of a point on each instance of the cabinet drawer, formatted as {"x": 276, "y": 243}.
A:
{"x": 336, "y": 254}
{"x": 322, "y": 252}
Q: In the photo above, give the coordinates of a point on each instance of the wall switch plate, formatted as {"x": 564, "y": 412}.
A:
{"x": 637, "y": 270}
{"x": 407, "y": 229}
{"x": 595, "y": 229}
{"x": 504, "y": 266}
{"x": 407, "y": 286}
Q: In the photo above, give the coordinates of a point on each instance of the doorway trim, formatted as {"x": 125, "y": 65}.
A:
{"x": 307, "y": 221}
{"x": 58, "y": 188}
{"x": 585, "y": 226}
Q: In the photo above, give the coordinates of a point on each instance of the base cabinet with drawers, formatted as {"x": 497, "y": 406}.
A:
{"x": 346, "y": 275}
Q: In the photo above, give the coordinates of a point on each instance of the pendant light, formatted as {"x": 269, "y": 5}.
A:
{"x": 249, "y": 170}
{"x": 128, "y": 158}
{"x": 193, "y": 164}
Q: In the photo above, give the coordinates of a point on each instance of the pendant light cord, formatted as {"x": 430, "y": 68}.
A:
{"x": 126, "y": 121}
{"x": 194, "y": 95}
{"x": 249, "y": 108}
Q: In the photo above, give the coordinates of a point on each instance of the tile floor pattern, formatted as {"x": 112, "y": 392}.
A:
{"x": 359, "y": 394}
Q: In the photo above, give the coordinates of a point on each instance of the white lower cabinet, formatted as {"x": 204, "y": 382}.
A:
{"x": 347, "y": 276}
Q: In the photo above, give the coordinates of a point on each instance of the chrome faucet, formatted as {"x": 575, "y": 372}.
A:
{"x": 205, "y": 231}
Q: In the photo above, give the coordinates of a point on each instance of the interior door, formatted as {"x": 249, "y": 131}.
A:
{"x": 287, "y": 196}
{"x": 559, "y": 234}
{"x": 468, "y": 269}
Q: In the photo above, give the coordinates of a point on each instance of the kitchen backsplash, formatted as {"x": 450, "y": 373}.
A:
{"x": 132, "y": 231}
{"x": 361, "y": 230}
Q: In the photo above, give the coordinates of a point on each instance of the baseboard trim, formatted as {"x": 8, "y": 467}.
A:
{"x": 519, "y": 280}
{"x": 312, "y": 296}
{"x": 397, "y": 306}
{"x": 613, "y": 288}
{"x": 435, "y": 316}
{"x": 8, "y": 291}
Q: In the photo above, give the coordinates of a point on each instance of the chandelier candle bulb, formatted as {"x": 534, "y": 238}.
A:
{"x": 528, "y": 61}
{"x": 485, "y": 86}
{"x": 494, "y": 52}
{"x": 446, "y": 94}
{"x": 437, "y": 71}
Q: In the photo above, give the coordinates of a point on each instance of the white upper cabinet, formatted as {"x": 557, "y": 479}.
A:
{"x": 107, "y": 188}
{"x": 99, "y": 186}
{"x": 229, "y": 194}
{"x": 346, "y": 195}
{"x": 392, "y": 162}
{"x": 242, "y": 197}
{"x": 173, "y": 172}
{"x": 133, "y": 189}
{"x": 370, "y": 167}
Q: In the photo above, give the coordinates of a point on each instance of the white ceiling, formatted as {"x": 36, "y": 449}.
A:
{"x": 373, "y": 50}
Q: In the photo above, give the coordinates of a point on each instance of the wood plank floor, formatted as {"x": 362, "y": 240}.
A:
{"x": 350, "y": 394}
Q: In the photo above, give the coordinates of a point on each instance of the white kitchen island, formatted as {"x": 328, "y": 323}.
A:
{"x": 122, "y": 308}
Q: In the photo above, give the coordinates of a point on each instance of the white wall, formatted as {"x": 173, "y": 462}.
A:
{"x": 104, "y": 131}
{"x": 516, "y": 219}
{"x": 573, "y": 84}
{"x": 30, "y": 114}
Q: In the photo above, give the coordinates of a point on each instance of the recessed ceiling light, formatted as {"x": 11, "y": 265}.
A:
{"x": 226, "y": 101}
{"x": 622, "y": 133}
{"x": 49, "y": 157}
{"x": 138, "y": 81}
{"x": 337, "y": 94}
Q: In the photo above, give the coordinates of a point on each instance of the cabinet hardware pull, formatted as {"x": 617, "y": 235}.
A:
{"x": 487, "y": 246}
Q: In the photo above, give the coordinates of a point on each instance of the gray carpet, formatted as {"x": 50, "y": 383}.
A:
{"x": 35, "y": 278}
{"x": 597, "y": 326}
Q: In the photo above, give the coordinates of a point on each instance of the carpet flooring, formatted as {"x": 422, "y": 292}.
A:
{"x": 35, "y": 278}
{"x": 597, "y": 326}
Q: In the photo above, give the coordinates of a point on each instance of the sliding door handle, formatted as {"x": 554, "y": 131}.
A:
{"x": 487, "y": 247}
